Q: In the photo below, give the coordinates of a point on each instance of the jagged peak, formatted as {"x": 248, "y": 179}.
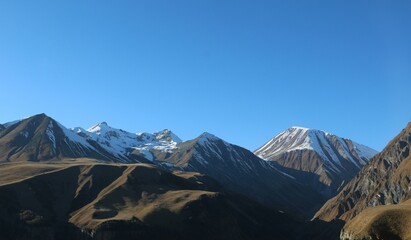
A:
{"x": 97, "y": 127}
{"x": 167, "y": 135}
{"x": 103, "y": 128}
{"x": 300, "y": 128}
{"x": 166, "y": 130}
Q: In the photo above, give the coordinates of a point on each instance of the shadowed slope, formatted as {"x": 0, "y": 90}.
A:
{"x": 385, "y": 180}
{"x": 134, "y": 201}
{"x": 241, "y": 171}
{"x": 40, "y": 138}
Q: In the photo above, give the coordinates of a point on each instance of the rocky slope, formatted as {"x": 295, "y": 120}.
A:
{"x": 241, "y": 171}
{"x": 385, "y": 180}
{"x": 316, "y": 158}
{"x": 41, "y": 138}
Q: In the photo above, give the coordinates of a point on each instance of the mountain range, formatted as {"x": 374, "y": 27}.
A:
{"x": 107, "y": 183}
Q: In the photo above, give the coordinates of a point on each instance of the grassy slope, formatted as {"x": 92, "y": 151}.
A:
{"x": 138, "y": 199}
{"x": 381, "y": 222}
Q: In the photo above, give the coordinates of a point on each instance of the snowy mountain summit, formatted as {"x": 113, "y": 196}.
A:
{"x": 300, "y": 167}
{"x": 334, "y": 159}
{"x": 120, "y": 143}
{"x": 330, "y": 147}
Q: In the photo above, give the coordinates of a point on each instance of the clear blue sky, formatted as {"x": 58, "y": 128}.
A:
{"x": 242, "y": 70}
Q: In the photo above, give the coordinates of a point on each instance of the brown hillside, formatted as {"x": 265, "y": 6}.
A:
{"x": 135, "y": 201}
{"x": 385, "y": 180}
{"x": 382, "y": 222}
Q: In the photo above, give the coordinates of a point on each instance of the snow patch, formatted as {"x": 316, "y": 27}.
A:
{"x": 285, "y": 174}
{"x": 364, "y": 151}
{"x": 50, "y": 134}
{"x": 74, "y": 138}
{"x": 25, "y": 134}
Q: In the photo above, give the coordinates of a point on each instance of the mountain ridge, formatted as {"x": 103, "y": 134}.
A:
{"x": 323, "y": 159}
{"x": 383, "y": 181}
{"x": 40, "y": 138}
{"x": 238, "y": 169}
{"x": 289, "y": 179}
{"x": 235, "y": 167}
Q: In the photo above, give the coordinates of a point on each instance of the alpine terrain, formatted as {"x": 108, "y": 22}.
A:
{"x": 106, "y": 183}
{"x": 384, "y": 181}
{"x": 41, "y": 138}
{"x": 241, "y": 171}
{"x": 319, "y": 159}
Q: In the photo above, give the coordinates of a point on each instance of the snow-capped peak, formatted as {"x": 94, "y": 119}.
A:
{"x": 298, "y": 138}
{"x": 167, "y": 135}
{"x": 120, "y": 142}
{"x": 329, "y": 147}
{"x": 99, "y": 127}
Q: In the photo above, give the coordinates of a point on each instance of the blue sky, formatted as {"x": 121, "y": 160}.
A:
{"x": 242, "y": 70}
